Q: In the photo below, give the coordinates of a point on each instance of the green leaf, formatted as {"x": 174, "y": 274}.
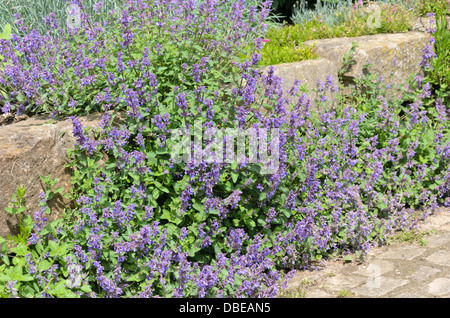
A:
{"x": 15, "y": 273}
{"x": 44, "y": 265}
{"x": 236, "y": 222}
{"x": 250, "y": 223}
{"x": 6, "y": 34}
{"x": 86, "y": 288}
{"x": 20, "y": 249}
{"x": 166, "y": 215}
{"x": 29, "y": 291}
{"x": 21, "y": 209}
{"x": 59, "y": 190}
{"x": 59, "y": 290}
{"x": 161, "y": 187}
{"x": 261, "y": 222}
{"x": 3, "y": 251}
{"x": 347, "y": 258}
{"x": 155, "y": 193}
{"x": 11, "y": 210}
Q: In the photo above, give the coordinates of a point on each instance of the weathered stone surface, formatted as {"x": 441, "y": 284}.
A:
{"x": 376, "y": 268}
{"x": 409, "y": 295}
{"x": 423, "y": 272}
{"x": 440, "y": 258}
{"x": 438, "y": 240}
{"x": 403, "y": 253}
{"x": 318, "y": 294}
{"x": 8, "y": 118}
{"x": 308, "y": 72}
{"x": 384, "y": 286}
{"x": 339, "y": 282}
{"x": 380, "y": 50}
{"x": 31, "y": 148}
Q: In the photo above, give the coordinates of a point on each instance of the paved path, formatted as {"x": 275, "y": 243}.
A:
{"x": 417, "y": 266}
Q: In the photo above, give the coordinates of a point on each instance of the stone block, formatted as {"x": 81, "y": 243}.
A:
{"x": 439, "y": 286}
{"x": 29, "y": 149}
{"x": 393, "y": 56}
{"x": 403, "y": 253}
{"x": 440, "y": 258}
{"x": 385, "y": 286}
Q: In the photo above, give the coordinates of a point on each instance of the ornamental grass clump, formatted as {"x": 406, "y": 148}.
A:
{"x": 158, "y": 215}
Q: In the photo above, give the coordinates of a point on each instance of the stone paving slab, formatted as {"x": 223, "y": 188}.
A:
{"x": 379, "y": 286}
{"x": 423, "y": 272}
{"x": 409, "y": 295}
{"x": 439, "y": 286}
{"x": 415, "y": 269}
{"x": 403, "y": 252}
{"x": 376, "y": 267}
{"x": 438, "y": 240}
{"x": 440, "y": 258}
{"x": 338, "y": 282}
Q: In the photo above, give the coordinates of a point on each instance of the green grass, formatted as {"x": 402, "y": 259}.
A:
{"x": 412, "y": 236}
{"x": 345, "y": 294}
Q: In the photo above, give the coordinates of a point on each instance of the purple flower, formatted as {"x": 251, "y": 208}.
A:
{"x": 6, "y": 108}
{"x": 270, "y": 217}
{"x": 51, "y": 21}
{"x": 31, "y": 264}
{"x": 236, "y": 238}
{"x": 186, "y": 197}
{"x": 427, "y": 54}
{"x": 83, "y": 141}
{"x": 98, "y": 6}
{"x": 12, "y": 288}
{"x": 233, "y": 200}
